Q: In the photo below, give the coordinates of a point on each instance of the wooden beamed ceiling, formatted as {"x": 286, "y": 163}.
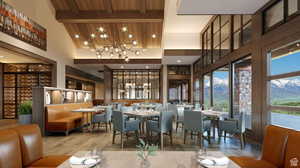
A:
{"x": 143, "y": 18}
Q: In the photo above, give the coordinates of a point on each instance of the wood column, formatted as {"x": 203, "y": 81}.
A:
{"x": 1, "y": 91}
{"x": 107, "y": 84}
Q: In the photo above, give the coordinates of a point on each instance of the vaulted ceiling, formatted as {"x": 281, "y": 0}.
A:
{"x": 143, "y": 18}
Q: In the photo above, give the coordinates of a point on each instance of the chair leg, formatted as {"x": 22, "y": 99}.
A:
{"x": 184, "y": 136}
{"x": 171, "y": 137}
{"x": 114, "y": 136}
{"x": 219, "y": 136}
{"x": 137, "y": 135}
{"x": 109, "y": 126}
{"x": 162, "y": 141}
{"x": 191, "y": 134}
{"x": 225, "y": 136}
{"x": 122, "y": 143}
{"x": 106, "y": 128}
{"x": 176, "y": 126}
{"x": 208, "y": 136}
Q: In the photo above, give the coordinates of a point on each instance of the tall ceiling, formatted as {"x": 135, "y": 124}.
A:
{"x": 143, "y": 18}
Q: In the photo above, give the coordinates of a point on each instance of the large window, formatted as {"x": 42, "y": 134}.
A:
{"x": 221, "y": 89}
{"x": 207, "y": 90}
{"x": 133, "y": 84}
{"x": 179, "y": 91}
{"x": 197, "y": 91}
{"x": 242, "y": 89}
{"x": 284, "y": 85}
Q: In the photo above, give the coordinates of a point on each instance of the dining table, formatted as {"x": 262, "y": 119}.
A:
{"x": 214, "y": 116}
{"x": 143, "y": 115}
{"x": 87, "y": 114}
{"x": 172, "y": 159}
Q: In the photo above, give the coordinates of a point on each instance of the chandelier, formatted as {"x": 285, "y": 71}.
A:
{"x": 117, "y": 50}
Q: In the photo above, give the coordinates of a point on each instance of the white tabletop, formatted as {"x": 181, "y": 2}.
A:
{"x": 143, "y": 113}
{"x": 168, "y": 159}
{"x": 86, "y": 110}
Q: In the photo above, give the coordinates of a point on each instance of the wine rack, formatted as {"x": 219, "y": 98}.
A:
{"x": 19, "y": 79}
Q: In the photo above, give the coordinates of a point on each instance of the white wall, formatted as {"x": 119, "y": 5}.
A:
{"x": 60, "y": 46}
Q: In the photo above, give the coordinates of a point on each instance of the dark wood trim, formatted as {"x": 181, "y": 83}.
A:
{"x": 106, "y": 17}
{"x": 286, "y": 75}
{"x": 182, "y": 52}
{"x": 76, "y": 72}
{"x": 117, "y": 61}
{"x": 1, "y": 91}
{"x": 73, "y": 5}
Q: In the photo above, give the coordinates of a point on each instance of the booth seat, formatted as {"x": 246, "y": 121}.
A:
{"x": 280, "y": 149}
{"x": 60, "y": 118}
{"x": 22, "y": 147}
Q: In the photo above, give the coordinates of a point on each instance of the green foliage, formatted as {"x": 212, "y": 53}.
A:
{"x": 290, "y": 103}
{"x": 25, "y": 108}
{"x": 145, "y": 150}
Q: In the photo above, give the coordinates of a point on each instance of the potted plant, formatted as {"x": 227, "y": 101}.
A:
{"x": 144, "y": 151}
{"x": 25, "y": 112}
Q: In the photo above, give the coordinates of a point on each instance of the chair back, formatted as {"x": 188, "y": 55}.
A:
{"x": 158, "y": 106}
{"x": 274, "y": 144}
{"x": 118, "y": 121}
{"x": 166, "y": 121}
{"x": 172, "y": 108}
{"x": 292, "y": 154}
{"x": 108, "y": 113}
{"x": 193, "y": 121}
{"x": 180, "y": 113}
{"x": 241, "y": 123}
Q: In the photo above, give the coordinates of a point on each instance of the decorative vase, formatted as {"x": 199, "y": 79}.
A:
{"x": 25, "y": 119}
{"x": 145, "y": 163}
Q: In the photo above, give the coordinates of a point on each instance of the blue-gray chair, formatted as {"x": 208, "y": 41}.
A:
{"x": 163, "y": 126}
{"x": 103, "y": 118}
{"x": 195, "y": 123}
{"x": 234, "y": 125}
{"x": 124, "y": 126}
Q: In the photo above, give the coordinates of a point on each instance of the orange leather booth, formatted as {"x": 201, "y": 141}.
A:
{"x": 22, "y": 146}
{"x": 280, "y": 148}
{"x": 60, "y": 118}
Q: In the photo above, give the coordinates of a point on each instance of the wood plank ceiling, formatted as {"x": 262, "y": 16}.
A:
{"x": 143, "y": 18}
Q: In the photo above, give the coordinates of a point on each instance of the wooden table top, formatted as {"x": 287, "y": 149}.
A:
{"x": 86, "y": 110}
{"x": 129, "y": 159}
{"x": 211, "y": 113}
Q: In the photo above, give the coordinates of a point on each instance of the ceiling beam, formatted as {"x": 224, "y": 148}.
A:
{"x": 182, "y": 52}
{"x": 117, "y": 61}
{"x": 105, "y": 17}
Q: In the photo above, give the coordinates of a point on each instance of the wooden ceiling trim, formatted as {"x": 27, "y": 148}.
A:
{"x": 183, "y": 52}
{"x": 108, "y": 6}
{"x": 105, "y": 17}
{"x": 117, "y": 61}
{"x": 143, "y": 6}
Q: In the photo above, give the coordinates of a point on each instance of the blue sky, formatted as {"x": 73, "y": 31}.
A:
{"x": 286, "y": 64}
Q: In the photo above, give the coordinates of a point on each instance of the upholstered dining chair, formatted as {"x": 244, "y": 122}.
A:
{"x": 124, "y": 126}
{"x": 163, "y": 126}
{"x": 195, "y": 123}
{"x": 103, "y": 118}
{"x": 234, "y": 125}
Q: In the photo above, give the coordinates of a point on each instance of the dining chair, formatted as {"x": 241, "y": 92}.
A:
{"x": 103, "y": 118}
{"x": 124, "y": 126}
{"x": 179, "y": 117}
{"x": 195, "y": 123}
{"x": 234, "y": 125}
{"x": 163, "y": 126}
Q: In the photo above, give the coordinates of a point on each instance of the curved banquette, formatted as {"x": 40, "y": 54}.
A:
{"x": 60, "y": 118}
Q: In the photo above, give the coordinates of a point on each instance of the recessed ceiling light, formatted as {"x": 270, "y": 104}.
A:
{"x": 124, "y": 29}
{"x": 77, "y": 36}
{"x": 99, "y": 56}
{"x": 105, "y": 36}
{"x": 86, "y": 43}
{"x": 101, "y": 29}
{"x": 122, "y": 67}
{"x": 147, "y": 67}
{"x": 130, "y": 36}
{"x": 153, "y": 36}
{"x": 137, "y": 52}
{"x": 111, "y": 54}
{"x": 179, "y": 61}
{"x": 134, "y": 42}
{"x": 106, "y": 48}
{"x": 298, "y": 44}
{"x": 93, "y": 35}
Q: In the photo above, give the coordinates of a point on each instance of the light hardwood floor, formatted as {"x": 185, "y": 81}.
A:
{"x": 76, "y": 141}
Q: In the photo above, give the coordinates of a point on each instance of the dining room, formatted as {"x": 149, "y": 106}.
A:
{"x": 149, "y": 84}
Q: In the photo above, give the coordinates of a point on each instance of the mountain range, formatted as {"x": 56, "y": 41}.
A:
{"x": 281, "y": 89}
